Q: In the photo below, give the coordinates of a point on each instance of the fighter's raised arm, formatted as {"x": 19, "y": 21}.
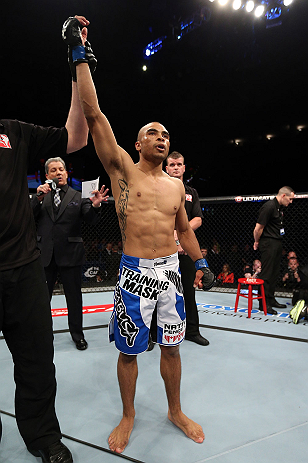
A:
{"x": 110, "y": 154}
{"x": 104, "y": 140}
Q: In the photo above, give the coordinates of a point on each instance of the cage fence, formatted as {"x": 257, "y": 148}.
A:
{"x": 225, "y": 238}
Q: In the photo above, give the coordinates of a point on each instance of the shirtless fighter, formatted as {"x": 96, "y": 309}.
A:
{"x": 150, "y": 205}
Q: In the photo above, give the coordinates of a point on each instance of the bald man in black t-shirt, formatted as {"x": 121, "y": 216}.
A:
{"x": 268, "y": 235}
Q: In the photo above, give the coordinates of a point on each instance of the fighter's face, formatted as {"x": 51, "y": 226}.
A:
{"x": 153, "y": 141}
{"x": 56, "y": 169}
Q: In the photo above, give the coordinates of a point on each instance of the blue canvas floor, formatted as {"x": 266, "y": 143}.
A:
{"x": 247, "y": 389}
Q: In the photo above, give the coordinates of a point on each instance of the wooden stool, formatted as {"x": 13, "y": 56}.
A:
{"x": 250, "y": 282}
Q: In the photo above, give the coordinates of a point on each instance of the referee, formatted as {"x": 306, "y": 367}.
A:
{"x": 268, "y": 235}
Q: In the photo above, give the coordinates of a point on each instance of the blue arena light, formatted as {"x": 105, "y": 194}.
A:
{"x": 273, "y": 13}
{"x": 154, "y": 47}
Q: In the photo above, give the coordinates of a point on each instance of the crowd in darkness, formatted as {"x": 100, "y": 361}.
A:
{"x": 102, "y": 261}
{"x": 234, "y": 263}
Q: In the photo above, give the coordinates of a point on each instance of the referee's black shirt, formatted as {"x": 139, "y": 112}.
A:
{"x": 192, "y": 203}
{"x": 271, "y": 216}
{"x": 21, "y": 144}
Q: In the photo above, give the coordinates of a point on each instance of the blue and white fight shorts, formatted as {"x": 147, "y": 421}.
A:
{"x": 143, "y": 285}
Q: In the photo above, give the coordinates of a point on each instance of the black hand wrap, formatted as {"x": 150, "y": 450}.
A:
{"x": 208, "y": 279}
{"x": 71, "y": 32}
{"x": 77, "y": 52}
{"x": 92, "y": 61}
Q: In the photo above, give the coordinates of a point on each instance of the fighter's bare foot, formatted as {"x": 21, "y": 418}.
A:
{"x": 119, "y": 437}
{"x": 189, "y": 427}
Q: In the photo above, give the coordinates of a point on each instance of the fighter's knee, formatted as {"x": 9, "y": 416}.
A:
{"x": 125, "y": 358}
{"x": 170, "y": 351}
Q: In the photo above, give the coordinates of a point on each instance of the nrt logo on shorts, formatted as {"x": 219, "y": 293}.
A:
{"x": 173, "y": 334}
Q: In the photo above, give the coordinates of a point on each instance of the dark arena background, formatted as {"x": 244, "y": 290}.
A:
{"x": 230, "y": 87}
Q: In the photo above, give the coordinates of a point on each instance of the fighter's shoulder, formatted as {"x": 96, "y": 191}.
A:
{"x": 174, "y": 180}
{"x": 176, "y": 184}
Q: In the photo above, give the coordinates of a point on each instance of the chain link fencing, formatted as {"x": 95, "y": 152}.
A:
{"x": 225, "y": 237}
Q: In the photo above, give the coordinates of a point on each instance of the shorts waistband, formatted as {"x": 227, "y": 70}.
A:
{"x": 150, "y": 263}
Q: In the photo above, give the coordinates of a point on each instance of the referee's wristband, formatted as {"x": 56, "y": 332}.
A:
{"x": 200, "y": 264}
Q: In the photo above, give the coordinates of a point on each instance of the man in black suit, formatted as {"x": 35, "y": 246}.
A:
{"x": 59, "y": 213}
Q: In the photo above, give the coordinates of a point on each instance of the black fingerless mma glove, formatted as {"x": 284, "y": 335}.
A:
{"x": 208, "y": 278}
{"x": 77, "y": 52}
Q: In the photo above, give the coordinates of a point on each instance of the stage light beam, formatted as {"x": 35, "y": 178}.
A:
{"x": 250, "y": 6}
{"x": 237, "y": 4}
{"x": 259, "y": 11}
